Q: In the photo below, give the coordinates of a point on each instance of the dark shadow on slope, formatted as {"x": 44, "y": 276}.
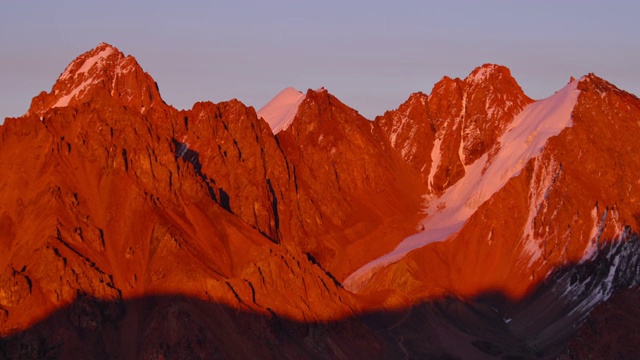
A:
{"x": 489, "y": 326}
{"x": 182, "y": 151}
{"x": 610, "y": 331}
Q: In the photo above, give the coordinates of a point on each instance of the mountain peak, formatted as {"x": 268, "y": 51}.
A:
{"x": 488, "y": 72}
{"x": 88, "y": 61}
{"x": 473, "y": 112}
{"x": 280, "y": 111}
{"x": 415, "y": 98}
{"x": 595, "y": 83}
{"x": 105, "y": 68}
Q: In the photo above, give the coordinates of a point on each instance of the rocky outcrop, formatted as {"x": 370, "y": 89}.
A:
{"x": 230, "y": 142}
{"x": 461, "y": 120}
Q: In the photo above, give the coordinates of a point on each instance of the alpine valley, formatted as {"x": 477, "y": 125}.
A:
{"x": 470, "y": 223}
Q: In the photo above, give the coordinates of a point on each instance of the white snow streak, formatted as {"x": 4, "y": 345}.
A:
{"x": 524, "y": 139}
{"x": 436, "y": 156}
{"x": 544, "y": 176}
{"x": 64, "y": 100}
{"x": 88, "y": 63}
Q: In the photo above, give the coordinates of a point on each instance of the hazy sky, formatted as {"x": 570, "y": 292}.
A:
{"x": 370, "y": 54}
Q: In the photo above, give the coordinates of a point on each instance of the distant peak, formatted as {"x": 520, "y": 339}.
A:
{"x": 288, "y": 91}
{"x": 280, "y": 111}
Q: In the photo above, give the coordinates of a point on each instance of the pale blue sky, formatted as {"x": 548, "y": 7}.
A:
{"x": 370, "y": 54}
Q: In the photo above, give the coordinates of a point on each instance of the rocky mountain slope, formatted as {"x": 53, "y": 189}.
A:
{"x": 472, "y": 222}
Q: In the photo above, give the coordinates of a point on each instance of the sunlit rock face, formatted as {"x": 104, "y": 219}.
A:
{"x": 472, "y": 222}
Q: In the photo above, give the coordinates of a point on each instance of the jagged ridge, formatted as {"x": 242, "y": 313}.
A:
{"x": 112, "y": 194}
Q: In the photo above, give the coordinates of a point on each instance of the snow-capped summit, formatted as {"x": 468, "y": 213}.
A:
{"x": 104, "y": 68}
{"x": 89, "y": 60}
{"x": 280, "y": 111}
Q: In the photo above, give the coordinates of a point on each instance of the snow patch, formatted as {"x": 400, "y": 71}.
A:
{"x": 88, "y": 63}
{"x": 280, "y": 111}
{"x": 461, "y": 123}
{"x": 398, "y": 125}
{"x": 407, "y": 150}
{"x": 64, "y": 100}
{"x": 524, "y": 139}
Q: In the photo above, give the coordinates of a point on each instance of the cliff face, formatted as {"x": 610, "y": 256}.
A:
{"x": 440, "y": 134}
{"x": 158, "y": 232}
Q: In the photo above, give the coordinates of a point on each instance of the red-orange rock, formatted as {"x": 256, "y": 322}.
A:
{"x": 157, "y": 233}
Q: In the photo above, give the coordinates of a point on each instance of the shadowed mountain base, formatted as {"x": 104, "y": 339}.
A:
{"x": 611, "y": 331}
{"x": 489, "y": 326}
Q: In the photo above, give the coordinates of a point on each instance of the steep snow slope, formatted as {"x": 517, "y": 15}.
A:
{"x": 523, "y": 140}
{"x": 280, "y": 111}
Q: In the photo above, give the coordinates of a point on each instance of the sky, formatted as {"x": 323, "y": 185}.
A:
{"x": 370, "y": 54}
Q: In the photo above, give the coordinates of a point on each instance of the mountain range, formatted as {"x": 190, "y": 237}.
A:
{"x": 471, "y": 223}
